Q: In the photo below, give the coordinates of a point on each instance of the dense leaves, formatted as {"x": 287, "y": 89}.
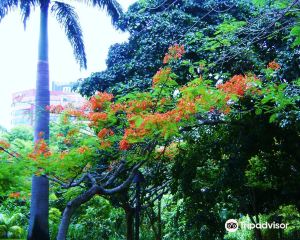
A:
{"x": 221, "y": 38}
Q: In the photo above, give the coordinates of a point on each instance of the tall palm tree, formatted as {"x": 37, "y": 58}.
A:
{"x": 67, "y": 17}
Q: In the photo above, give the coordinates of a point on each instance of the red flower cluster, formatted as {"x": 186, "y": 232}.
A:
{"x": 14, "y": 195}
{"x": 40, "y": 150}
{"x": 186, "y": 107}
{"x": 75, "y": 113}
{"x": 274, "y": 65}
{"x": 137, "y": 106}
{"x": 83, "y": 149}
{"x": 63, "y": 154}
{"x": 97, "y": 116}
{"x": 100, "y": 99}
{"x": 238, "y": 84}
{"x": 117, "y": 107}
{"x": 55, "y": 109}
{"x": 150, "y": 124}
{"x": 105, "y": 144}
{"x": 105, "y": 132}
{"x": 175, "y": 52}
{"x": 136, "y": 132}
{"x": 124, "y": 145}
{"x": 162, "y": 75}
{"x": 4, "y": 144}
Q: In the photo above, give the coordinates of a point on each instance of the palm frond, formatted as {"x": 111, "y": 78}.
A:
{"x": 67, "y": 17}
{"x": 112, "y": 7}
{"x": 25, "y": 6}
{"x": 6, "y": 6}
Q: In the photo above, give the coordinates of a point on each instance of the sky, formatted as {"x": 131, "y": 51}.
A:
{"x": 18, "y": 51}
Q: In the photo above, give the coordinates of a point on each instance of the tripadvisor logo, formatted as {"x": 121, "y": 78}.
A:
{"x": 232, "y": 225}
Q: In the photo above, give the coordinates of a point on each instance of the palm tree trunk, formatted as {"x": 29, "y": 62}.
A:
{"x": 38, "y": 225}
{"x": 42, "y": 96}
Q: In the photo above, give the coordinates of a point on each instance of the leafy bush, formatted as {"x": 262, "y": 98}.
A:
{"x": 10, "y": 226}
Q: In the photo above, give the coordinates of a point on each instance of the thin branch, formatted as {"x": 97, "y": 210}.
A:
{"x": 4, "y": 150}
{"x": 159, "y": 196}
{"x": 126, "y": 183}
{"x": 71, "y": 184}
{"x": 115, "y": 174}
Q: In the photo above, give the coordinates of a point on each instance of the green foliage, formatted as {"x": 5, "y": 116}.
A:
{"x": 290, "y": 215}
{"x": 20, "y": 133}
{"x": 174, "y": 219}
{"x": 241, "y": 234}
{"x": 13, "y": 178}
{"x": 295, "y": 32}
{"x": 231, "y": 164}
{"x": 8, "y": 227}
{"x": 54, "y": 220}
{"x": 98, "y": 221}
{"x": 256, "y": 174}
{"x": 231, "y": 40}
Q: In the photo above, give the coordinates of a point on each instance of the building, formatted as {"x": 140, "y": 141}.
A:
{"x": 23, "y": 102}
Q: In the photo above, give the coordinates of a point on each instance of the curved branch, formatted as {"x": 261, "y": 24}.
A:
{"x": 126, "y": 183}
{"x": 115, "y": 174}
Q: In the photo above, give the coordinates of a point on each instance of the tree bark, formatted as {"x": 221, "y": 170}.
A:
{"x": 42, "y": 95}
{"x": 151, "y": 215}
{"x": 129, "y": 223}
{"x": 137, "y": 211}
{"x": 159, "y": 223}
{"x": 258, "y": 235}
{"x": 86, "y": 196}
{"x": 38, "y": 224}
{"x": 71, "y": 207}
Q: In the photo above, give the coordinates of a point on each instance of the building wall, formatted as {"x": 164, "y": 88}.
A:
{"x": 23, "y": 103}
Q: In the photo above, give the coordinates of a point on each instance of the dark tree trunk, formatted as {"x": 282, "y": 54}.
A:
{"x": 42, "y": 96}
{"x": 137, "y": 211}
{"x": 151, "y": 215}
{"x": 157, "y": 228}
{"x": 257, "y": 232}
{"x": 129, "y": 223}
{"x": 65, "y": 222}
{"x": 281, "y": 234}
{"x": 71, "y": 207}
{"x": 85, "y": 197}
{"x": 159, "y": 223}
{"x": 38, "y": 225}
{"x": 258, "y": 235}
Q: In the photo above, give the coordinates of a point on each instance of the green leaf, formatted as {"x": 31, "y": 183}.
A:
{"x": 258, "y": 111}
{"x": 185, "y": 62}
{"x": 259, "y": 3}
{"x": 138, "y": 121}
{"x": 191, "y": 70}
{"x": 295, "y": 32}
{"x": 273, "y": 118}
